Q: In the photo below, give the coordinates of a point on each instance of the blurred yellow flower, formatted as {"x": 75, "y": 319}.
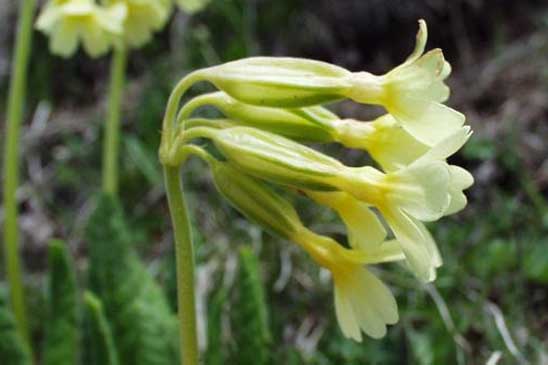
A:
{"x": 144, "y": 17}
{"x": 67, "y": 22}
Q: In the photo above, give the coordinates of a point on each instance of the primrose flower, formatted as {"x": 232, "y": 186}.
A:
{"x": 362, "y": 301}
{"x": 144, "y": 17}
{"x": 67, "y": 22}
{"x": 413, "y": 93}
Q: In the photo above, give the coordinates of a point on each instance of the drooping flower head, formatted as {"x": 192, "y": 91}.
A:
{"x": 68, "y": 22}
{"x": 271, "y": 105}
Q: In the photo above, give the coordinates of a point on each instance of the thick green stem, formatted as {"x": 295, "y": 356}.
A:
{"x": 111, "y": 139}
{"x": 185, "y": 266}
{"x": 11, "y": 161}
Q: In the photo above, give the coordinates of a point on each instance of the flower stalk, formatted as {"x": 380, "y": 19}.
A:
{"x": 15, "y": 111}
{"x": 111, "y": 139}
{"x": 184, "y": 253}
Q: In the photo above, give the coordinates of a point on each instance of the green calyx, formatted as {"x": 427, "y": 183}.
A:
{"x": 272, "y": 157}
{"x": 281, "y": 82}
{"x": 255, "y": 200}
{"x": 313, "y": 124}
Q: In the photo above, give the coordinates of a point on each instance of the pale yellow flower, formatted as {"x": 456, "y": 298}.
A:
{"x": 413, "y": 93}
{"x": 362, "y": 302}
{"x": 144, "y": 17}
{"x": 70, "y": 21}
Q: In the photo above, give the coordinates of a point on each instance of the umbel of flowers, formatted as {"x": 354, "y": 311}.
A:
{"x": 272, "y": 106}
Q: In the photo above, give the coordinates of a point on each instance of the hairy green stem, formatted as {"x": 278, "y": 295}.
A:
{"x": 15, "y": 108}
{"x": 111, "y": 137}
{"x": 185, "y": 266}
{"x": 169, "y": 124}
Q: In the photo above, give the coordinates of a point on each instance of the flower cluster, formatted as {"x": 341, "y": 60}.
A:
{"x": 110, "y": 23}
{"x": 272, "y": 106}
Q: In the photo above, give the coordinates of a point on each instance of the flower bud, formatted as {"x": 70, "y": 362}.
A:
{"x": 311, "y": 124}
{"x": 279, "y": 81}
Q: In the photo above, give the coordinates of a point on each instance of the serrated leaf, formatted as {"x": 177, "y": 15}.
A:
{"x": 13, "y": 350}
{"x": 142, "y": 324}
{"x": 99, "y": 348}
{"x": 249, "y": 320}
{"x": 61, "y": 340}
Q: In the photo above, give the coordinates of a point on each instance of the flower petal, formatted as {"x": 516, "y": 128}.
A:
{"x": 428, "y": 121}
{"x": 345, "y": 315}
{"x": 413, "y": 242}
{"x": 379, "y": 297}
{"x": 421, "y": 189}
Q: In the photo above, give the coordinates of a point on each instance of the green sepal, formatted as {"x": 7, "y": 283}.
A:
{"x": 255, "y": 200}
{"x": 277, "y": 159}
{"x": 307, "y": 124}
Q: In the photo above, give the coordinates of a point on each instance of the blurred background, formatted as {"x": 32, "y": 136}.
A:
{"x": 490, "y": 301}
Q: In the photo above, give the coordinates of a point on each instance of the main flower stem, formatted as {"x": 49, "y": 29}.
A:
{"x": 15, "y": 108}
{"x": 111, "y": 141}
{"x": 185, "y": 266}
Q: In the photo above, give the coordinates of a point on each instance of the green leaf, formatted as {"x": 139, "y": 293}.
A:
{"x": 99, "y": 348}
{"x": 143, "y": 159}
{"x": 536, "y": 262}
{"x": 142, "y": 323}
{"x": 61, "y": 343}
{"x": 215, "y": 355}
{"x": 249, "y": 320}
{"x": 13, "y": 350}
